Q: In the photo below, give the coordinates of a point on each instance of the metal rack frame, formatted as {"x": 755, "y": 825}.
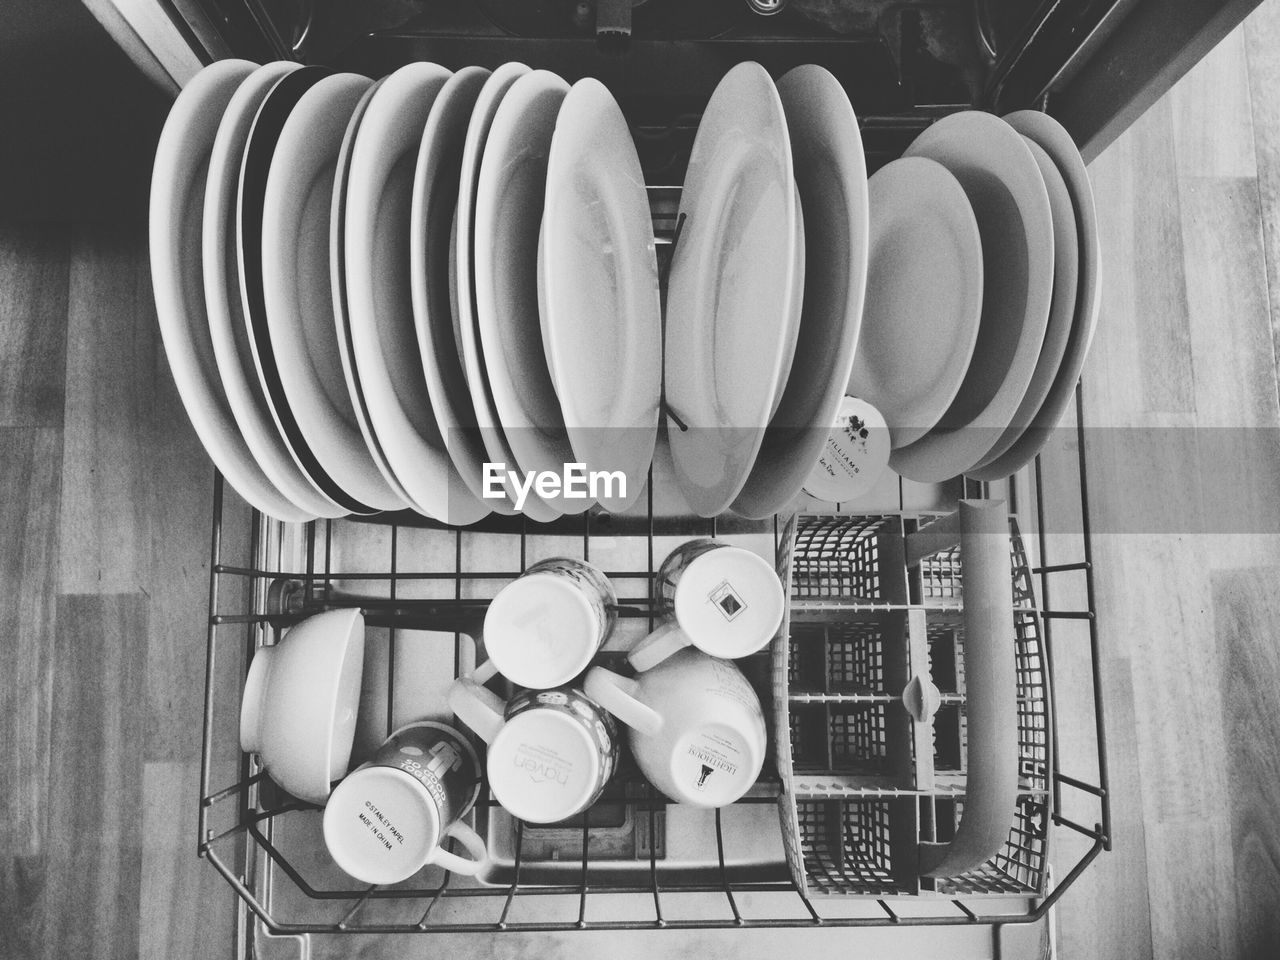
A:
{"x": 236, "y": 819}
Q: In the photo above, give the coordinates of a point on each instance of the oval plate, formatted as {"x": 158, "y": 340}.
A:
{"x": 1000, "y": 177}
{"x": 732, "y": 299}
{"x": 175, "y": 223}
{"x": 379, "y": 300}
{"x": 831, "y": 175}
{"x": 598, "y": 290}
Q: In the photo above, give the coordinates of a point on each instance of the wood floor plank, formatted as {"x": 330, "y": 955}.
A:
{"x": 93, "y": 844}
{"x": 33, "y": 310}
{"x": 1154, "y": 592}
{"x": 1223, "y": 261}
{"x": 22, "y": 890}
{"x": 106, "y": 523}
{"x": 137, "y": 485}
{"x": 1212, "y": 119}
{"x": 187, "y": 910}
{"x": 1141, "y": 354}
{"x": 30, "y": 474}
{"x": 1247, "y": 610}
{"x": 1262, "y": 41}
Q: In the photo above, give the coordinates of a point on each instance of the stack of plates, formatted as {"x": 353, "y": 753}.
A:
{"x": 982, "y": 293}
{"x": 440, "y": 291}
{"x": 370, "y": 291}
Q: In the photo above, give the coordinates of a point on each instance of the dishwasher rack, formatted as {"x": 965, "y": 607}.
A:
{"x": 265, "y": 575}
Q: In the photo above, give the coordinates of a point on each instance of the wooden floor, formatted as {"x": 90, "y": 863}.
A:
{"x": 104, "y": 524}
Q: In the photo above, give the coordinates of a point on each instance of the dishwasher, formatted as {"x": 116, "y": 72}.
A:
{"x": 836, "y": 831}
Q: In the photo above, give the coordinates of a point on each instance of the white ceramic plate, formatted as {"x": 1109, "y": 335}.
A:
{"x": 598, "y": 289}
{"x": 220, "y": 325}
{"x": 379, "y": 303}
{"x": 497, "y": 448}
{"x": 731, "y": 295}
{"x": 1010, "y": 202}
{"x": 1066, "y": 279}
{"x": 259, "y": 150}
{"x": 297, "y": 205}
{"x": 433, "y": 264}
{"x": 338, "y": 286}
{"x": 227, "y": 328}
{"x": 1051, "y": 136}
{"x": 831, "y": 176}
{"x": 178, "y": 190}
{"x": 508, "y": 214}
{"x": 924, "y": 296}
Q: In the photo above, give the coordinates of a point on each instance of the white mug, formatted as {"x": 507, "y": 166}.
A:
{"x": 543, "y": 628}
{"x": 389, "y": 817}
{"x": 727, "y": 601}
{"x": 697, "y": 727}
{"x": 551, "y": 752}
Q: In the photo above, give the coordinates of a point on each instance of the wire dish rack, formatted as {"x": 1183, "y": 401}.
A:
{"x": 634, "y": 861}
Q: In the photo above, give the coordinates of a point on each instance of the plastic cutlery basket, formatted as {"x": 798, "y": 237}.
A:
{"x": 903, "y": 774}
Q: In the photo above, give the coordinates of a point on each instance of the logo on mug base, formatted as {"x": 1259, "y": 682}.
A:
{"x": 727, "y": 601}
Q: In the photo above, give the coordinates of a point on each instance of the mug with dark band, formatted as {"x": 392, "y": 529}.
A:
{"x": 544, "y": 627}
{"x": 550, "y": 753}
{"x": 390, "y": 817}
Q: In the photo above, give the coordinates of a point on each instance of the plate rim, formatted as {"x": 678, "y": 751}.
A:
{"x": 1061, "y": 147}
{"x": 589, "y": 107}
{"x": 513, "y": 130}
{"x": 1062, "y": 312}
{"x": 757, "y": 87}
{"x": 796, "y": 448}
{"x": 453, "y": 107}
{"x": 449, "y": 500}
{"x": 945, "y": 453}
{"x": 488, "y": 425}
{"x": 196, "y": 115}
{"x": 259, "y": 150}
{"x": 960, "y": 213}
{"x": 283, "y": 208}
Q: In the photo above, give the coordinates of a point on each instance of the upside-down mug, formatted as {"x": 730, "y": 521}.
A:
{"x": 727, "y": 601}
{"x": 389, "y": 817}
{"x": 543, "y": 628}
{"x": 550, "y": 753}
{"x": 697, "y": 727}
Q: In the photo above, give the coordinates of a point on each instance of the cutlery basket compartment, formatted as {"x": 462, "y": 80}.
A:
{"x": 948, "y": 736}
{"x": 854, "y": 559}
{"x": 854, "y": 656}
{"x": 863, "y": 846}
{"x": 1021, "y": 863}
{"x": 863, "y": 739}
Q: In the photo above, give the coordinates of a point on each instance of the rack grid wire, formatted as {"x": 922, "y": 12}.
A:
{"x": 264, "y": 576}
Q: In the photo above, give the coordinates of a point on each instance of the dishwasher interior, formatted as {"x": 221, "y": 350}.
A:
{"x": 634, "y": 861}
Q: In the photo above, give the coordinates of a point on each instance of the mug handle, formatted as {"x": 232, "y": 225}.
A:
{"x": 667, "y": 640}
{"x": 618, "y": 695}
{"x": 485, "y": 672}
{"x": 477, "y": 706}
{"x": 474, "y": 845}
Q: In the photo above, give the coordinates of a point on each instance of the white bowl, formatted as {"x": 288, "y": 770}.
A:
{"x": 300, "y": 699}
